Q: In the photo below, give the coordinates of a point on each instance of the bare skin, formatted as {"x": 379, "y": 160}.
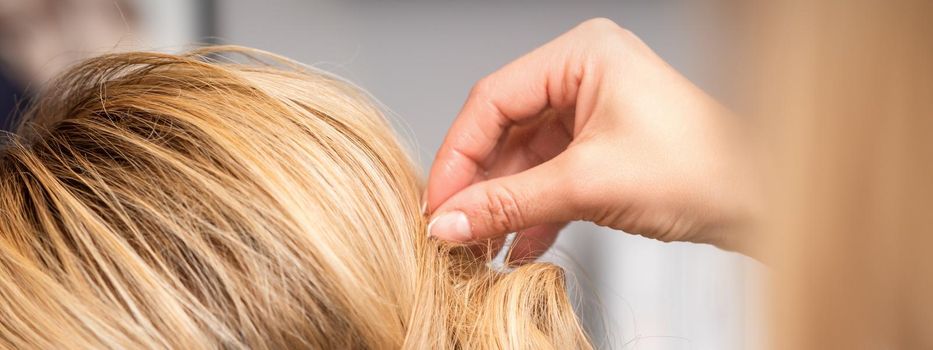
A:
{"x": 591, "y": 126}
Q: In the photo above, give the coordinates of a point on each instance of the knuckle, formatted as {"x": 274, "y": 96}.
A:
{"x": 608, "y": 32}
{"x": 481, "y": 88}
{"x": 600, "y": 24}
{"x": 505, "y": 212}
{"x": 628, "y": 37}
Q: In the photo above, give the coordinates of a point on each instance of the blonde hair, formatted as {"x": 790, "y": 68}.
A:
{"x": 160, "y": 201}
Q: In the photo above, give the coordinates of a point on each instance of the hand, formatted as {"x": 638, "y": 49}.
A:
{"x": 591, "y": 126}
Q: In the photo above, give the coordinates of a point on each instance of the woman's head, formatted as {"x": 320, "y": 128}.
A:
{"x": 152, "y": 200}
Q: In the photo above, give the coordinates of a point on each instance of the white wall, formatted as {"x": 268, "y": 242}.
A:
{"x": 420, "y": 59}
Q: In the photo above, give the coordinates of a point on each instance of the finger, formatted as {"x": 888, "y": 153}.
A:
{"x": 530, "y": 244}
{"x": 525, "y": 148}
{"x": 512, "y": 203}
{"x": 544, "y": 78}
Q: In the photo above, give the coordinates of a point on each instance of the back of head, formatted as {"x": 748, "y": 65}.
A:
{"x": 161, "y": 201}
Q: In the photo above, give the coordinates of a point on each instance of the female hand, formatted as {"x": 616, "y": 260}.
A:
{"x": 591, "y": 126}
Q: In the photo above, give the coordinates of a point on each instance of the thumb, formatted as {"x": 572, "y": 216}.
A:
{"x": 507, "y": 204}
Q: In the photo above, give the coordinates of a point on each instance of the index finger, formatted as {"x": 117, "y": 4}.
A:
{"x": 544, "y": 78}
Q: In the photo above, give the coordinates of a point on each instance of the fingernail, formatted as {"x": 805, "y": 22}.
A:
{"x": 424, "y": 202}
{"x": 452, "y": 226}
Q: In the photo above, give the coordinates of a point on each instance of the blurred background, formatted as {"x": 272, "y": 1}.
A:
{"x": 420, "y": 58}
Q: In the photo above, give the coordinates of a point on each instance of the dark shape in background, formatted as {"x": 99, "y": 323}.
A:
{"x": 11, "y": 101}
{"x": 40, "y": 38}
